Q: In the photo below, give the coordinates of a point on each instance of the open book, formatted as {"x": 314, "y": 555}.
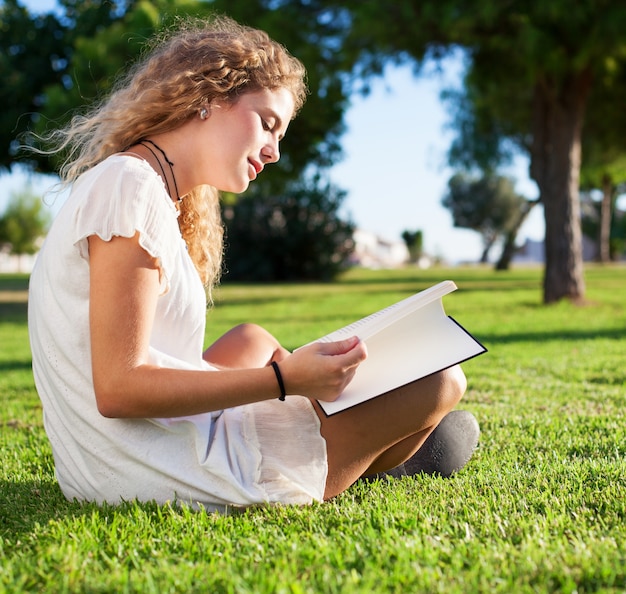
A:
{"x": 406, "y": 341}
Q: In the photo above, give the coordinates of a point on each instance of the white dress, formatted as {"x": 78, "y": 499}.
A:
{"x": 270, "y": 451}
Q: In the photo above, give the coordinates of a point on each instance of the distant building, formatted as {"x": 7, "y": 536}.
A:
{"x": 372, "y": 251}
{"x": 11, "y": 264}
{"x": 533, "y": 252}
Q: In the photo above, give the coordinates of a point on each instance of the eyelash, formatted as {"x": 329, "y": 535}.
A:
{"x": 266, "y": 126}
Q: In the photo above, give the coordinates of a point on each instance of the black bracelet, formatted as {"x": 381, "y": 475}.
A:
{"x": 279, "y": 379}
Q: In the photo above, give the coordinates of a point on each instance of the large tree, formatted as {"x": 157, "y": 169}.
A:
{"x": 35, "y": 54}
{"x": 32, "y": 55}
{"x": 488, "y": 205}
{"x": 23, "y": 223}
{"x": 536, "y": 64}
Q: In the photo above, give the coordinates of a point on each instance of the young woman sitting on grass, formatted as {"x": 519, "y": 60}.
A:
{"x": 133, "y": 407}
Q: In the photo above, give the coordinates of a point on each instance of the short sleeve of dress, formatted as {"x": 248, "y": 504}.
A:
{"x": 123, "y": 196}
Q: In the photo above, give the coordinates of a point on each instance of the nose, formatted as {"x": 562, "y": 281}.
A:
{"x": 271, "y": 152}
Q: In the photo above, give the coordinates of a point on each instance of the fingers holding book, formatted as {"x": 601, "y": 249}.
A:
{"x": 322, "y": 371}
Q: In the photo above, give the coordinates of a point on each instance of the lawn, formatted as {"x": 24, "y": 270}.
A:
{"x": 541, "y": 507}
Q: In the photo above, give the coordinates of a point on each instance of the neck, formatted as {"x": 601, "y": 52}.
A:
{"x": 165, "y": 165}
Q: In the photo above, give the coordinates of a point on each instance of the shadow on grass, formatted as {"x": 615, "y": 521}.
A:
{"x": 464, "y": 284}
{"x": 14, "y": 282}
{"x": 560, "y": 335}
{"x": 13, "y": 298}
{"x": 26, "y": 504}
{"x": 15, "y": 365}
{"x": 15, "y": 312}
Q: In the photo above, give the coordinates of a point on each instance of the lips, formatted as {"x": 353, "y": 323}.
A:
{"x": 258, "y": 167}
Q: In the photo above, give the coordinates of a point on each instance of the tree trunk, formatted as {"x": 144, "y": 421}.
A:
{"x": 604, "y": 240}
{"x": 558, "y": 113}
{"x": 508, "y": 251}
{"x": 487, "y": 245}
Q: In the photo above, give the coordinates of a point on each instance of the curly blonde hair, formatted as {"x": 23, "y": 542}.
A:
{"x": 196, "y": 63}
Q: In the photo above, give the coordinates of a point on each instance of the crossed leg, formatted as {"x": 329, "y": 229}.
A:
{"x": 386, "y": 431}
{"x": 372, "y": 437}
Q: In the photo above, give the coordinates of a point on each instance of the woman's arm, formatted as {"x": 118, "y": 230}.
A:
{"x": 124, "y": 288}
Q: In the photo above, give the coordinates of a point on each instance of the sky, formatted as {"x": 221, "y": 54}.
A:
{"x": 394, "y": 167}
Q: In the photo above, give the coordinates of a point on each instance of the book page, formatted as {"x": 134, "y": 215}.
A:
{"x": 417, "y": 344}
{"x": 374, "y": 323}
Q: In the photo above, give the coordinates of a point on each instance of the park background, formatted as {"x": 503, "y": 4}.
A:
{"x": 541, "y": 507}
{"x": 394, "y": 167}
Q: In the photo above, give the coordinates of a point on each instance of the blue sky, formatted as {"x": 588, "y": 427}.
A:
{"x": 395, "y": 163}
{"x": 394, "y": 168}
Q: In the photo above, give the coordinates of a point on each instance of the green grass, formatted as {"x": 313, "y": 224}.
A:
{"x": 541, "y": 507}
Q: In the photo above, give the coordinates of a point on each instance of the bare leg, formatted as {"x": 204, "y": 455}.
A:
{"x": 385, "y": 431}
{"x": 244, "y": 347}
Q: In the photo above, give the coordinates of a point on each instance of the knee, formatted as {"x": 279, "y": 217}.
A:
{"x": 248, "y": 332}
{"x": 454, "y": 384}
{"x": 252, "y": 334}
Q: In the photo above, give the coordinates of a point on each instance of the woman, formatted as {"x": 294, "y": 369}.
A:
{"x": 132, "y": 406}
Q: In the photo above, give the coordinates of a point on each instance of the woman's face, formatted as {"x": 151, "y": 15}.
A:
{"x": 238, "y": 140}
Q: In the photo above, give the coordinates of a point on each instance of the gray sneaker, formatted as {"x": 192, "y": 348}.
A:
{"x": 446, "y": 450}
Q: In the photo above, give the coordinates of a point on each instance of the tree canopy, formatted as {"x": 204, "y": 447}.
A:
{"x": 100, "y": 41}
{"x": 488, "y": 205}
{"x": 36, "y": 54}
{"x": 533, "y": 69}
{"x": 535, "y": 72}
{"x": 23, "y": 223}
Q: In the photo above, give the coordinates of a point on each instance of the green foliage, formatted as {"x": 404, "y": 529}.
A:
{"x": 100, "y": 40}
{"x": 541, "y": 507}
{"x": 24, "y": 222}
{"x": 488, "y": 205}
{"x": 36, "y": 55}
{"x": 490, "y": 120}
{"x": 604, "y": 141}
{"x": 414, "y": 241}
{"x": 532, "y": 69}
{"x": 294, "y": 235}
{"x": 31, "y": 56}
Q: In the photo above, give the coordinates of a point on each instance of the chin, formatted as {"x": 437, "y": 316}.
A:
{"x": 234, "y": 188}
{"x": 240, "y": 188}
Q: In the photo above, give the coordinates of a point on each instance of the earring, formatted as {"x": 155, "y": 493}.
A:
{"x": 204, "y": 113}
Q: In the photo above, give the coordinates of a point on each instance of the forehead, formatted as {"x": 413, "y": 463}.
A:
{"x": 278, "y": 102}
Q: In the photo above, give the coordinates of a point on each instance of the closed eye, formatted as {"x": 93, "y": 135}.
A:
{"x": 272, "y": 124}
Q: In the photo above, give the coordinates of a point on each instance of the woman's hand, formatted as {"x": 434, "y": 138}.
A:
{"x": 321, "y": 371}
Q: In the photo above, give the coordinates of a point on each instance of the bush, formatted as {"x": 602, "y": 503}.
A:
{"x": 295, "y": 235}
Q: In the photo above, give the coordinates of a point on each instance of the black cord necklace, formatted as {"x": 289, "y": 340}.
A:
{"x": 147, "y": 144}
